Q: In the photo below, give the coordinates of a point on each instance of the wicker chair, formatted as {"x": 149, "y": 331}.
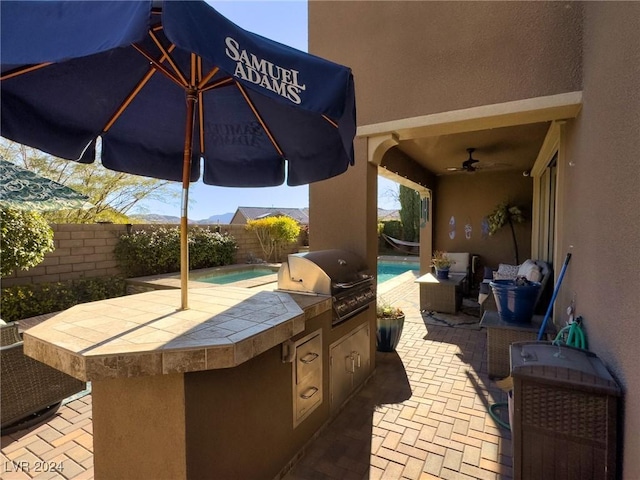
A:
{"x": 31, "y": 391}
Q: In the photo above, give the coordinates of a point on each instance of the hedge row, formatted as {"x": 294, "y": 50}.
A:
{"x": 391, "y": 228}
{"x": 151, "y": 252}
{"x": 24, "y": 301}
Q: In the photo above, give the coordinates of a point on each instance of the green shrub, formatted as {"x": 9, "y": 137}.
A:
{"x": 26, "y": 301}
{"x": 393, "y": 228}
{"x": 274, "y": 233}
{"x": 210, "y": 249}
{"x": 26, "y": 238}
{"x": 151, "y": 252}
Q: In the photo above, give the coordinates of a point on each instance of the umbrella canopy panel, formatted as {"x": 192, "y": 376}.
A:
{"x": 22, "y": 189}
{"x": 76, "y": 71}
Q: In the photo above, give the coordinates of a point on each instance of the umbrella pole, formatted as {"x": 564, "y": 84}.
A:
{"x": 186, "y": 175}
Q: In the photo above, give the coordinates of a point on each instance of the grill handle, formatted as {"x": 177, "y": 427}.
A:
{"x": 355, "y": 283}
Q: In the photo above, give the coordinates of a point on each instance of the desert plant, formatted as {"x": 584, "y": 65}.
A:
{"x": 384, "y": 309}
{"x": 26, "y": 238}
{"x": 503, "y": 214}
{"x": 274, "y": 233}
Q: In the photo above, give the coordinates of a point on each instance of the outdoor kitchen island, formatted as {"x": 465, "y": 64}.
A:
{"x": 207, "y": 392}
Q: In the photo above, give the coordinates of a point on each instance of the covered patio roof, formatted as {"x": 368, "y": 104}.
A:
{"x": 507, "y": 137}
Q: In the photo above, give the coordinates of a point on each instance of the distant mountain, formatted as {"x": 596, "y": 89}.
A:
{"x": 224, "y": 218}
{"x": 386, "y": 215}
{"x": 155, "y": 218}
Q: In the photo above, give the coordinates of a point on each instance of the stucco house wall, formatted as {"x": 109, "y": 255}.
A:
{"x": 602, "y": 220}
{"x": 468, "y": 199}
{"x": 417, "y": 58}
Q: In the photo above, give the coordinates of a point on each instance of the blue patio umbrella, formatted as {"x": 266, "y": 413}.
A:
{"x": 171, "y": 88}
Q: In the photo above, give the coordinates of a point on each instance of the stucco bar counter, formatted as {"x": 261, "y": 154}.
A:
{"x": 197, "y": 393}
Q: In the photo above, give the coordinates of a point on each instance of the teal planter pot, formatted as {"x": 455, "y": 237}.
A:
{"x": 389, "y": 332}
{"x": 515, "y": 303}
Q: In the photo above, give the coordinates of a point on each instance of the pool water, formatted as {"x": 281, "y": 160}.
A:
{"x": 386, "y": 271}
{"x": 389, "y": 270}
{"x": 225, "y": 278}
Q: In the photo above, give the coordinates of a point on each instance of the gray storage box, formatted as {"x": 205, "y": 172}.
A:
{"x": 564, "y": 413}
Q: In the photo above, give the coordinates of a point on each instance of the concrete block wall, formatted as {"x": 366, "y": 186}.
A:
{"x": 86, "y": 251}
{"x": 81, "y": 251}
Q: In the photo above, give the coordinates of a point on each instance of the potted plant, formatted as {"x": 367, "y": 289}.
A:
{"x": 390, "y": 322}
{"x": 442, "y": 263}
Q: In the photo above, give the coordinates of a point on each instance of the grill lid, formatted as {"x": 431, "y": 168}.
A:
{"x": 322, "y": 272}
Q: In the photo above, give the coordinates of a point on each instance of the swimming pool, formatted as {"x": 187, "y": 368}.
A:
{"x": 225, "y": 277}
{"x": 388, "y": 270}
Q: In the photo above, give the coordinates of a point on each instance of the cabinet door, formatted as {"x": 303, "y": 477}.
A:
{"x": 360, "y": 346}
{"x": 349, "y": 364}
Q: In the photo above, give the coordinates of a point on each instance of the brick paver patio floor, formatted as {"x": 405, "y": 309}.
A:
{"x": 423, "y": 415}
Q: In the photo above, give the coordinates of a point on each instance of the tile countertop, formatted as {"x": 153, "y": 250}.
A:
{"x": 147, "y": 333}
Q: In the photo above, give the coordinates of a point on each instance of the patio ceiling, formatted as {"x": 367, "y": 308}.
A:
{"x": 507, "y": 137}
{"x": 513, "y": 148}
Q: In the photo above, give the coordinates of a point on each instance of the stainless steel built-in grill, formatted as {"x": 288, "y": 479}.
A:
{"x": 336, "y": 273}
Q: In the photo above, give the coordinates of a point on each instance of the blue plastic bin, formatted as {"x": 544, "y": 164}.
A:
{"x": 515, "y": 303}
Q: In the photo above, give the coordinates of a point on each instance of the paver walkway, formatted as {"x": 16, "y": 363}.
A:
{"x": 423, "y": 415}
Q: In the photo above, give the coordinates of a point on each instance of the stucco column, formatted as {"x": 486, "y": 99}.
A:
{"x": 343, "y": 209}
{"x": 343, "y": 213}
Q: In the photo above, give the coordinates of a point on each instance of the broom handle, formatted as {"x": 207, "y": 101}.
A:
{"x": 543, "y": 327}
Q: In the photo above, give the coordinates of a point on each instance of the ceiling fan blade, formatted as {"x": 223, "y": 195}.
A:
{"x": 493, "y": 165}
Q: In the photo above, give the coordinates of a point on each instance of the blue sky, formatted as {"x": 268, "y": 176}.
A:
{"x": 284, "y": 22}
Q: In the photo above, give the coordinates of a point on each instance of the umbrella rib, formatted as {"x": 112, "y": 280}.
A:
{"x": 159, "y": 67}
{"x": 23, "y": 70}
{"x": 169, "y": 58}
{"x": 202, "y": 81}
{"x": 200, "y": 104}
{"x": 330, "y": 121}
{"x": 209, "y": 76}
{"x": 257, "y": 115}
{"x": 220, "y": 83}
{"x": 127, "y": 101}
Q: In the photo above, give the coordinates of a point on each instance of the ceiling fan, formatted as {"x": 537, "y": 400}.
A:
{"x": 469, "y": 165}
